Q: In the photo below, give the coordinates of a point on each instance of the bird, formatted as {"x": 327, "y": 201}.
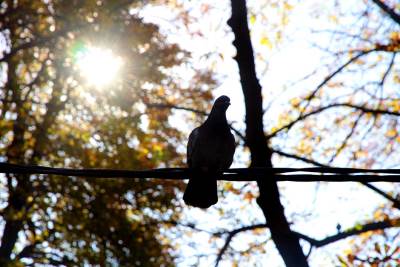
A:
{"x": 210, "y": 150}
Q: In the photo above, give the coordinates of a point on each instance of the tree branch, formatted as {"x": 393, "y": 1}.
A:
{"x": 288, "y": 155}
{"x": 334, "y": 105}
{"x": 352, "y": 231}
{"x": 359, "y": 229}
{"x": 392, "y": 14}
{"x": 389, "y": 68}
{"x": 200, "y": 112}
{"x": 338, "y": 70}
{"x": 170, "y": 106}
{"x": 396, "y": 202}
{"x": 37, "y": 42}
{"x": 346, "y": 139}
{"x": 230, "y": 236}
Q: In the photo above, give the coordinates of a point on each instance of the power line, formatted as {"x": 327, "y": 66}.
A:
{"x": 313, "y": 174}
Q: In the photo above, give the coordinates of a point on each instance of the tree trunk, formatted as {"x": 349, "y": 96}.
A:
{"x": 14, "y": 212}
{"x": 12, "y": 227}
{"x": 17, "y": 206}
{"x": 285, "y": 240}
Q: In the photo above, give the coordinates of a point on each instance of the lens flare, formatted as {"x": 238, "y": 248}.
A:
{"x": 98, "y": 66}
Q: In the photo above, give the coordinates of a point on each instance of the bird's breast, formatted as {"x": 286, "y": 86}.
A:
{"x": 213, "y": 149}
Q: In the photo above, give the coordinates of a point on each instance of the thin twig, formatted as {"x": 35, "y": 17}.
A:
{"x": 231, "y": 234}
{"x": 346, "y": 139}
{"x": 389, "y": 68}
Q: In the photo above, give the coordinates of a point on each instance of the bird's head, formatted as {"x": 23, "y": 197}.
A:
{"x": 222, "y": 103}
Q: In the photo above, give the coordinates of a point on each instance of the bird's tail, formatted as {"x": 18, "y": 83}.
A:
{"x": 201, "y": 191}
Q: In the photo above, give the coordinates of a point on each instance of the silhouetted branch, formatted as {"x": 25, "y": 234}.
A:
{"x": 350, "y": 232}
{"x": 187, "y": 225}
{"x": 337, "y": 71}
{"x": 388, "y": 10}
{"x": 231, "y": 234}
{"x": 330, "y": 77}
{"x": 346, "y": 139}
{"x": 359, "y": 229}
{"x": 200, "y": 112}
{"x": 36, "y": 42}
{"x": 343, "y": 34}
{"x": 26, "y": 251}
{"x": 170, "y": 106}
{"x": 359, "y": 54}
{"x": 396, "y": 202}
{"x": 389, "y": 68}
{"x": 334, "y": 105}
{"x": 297, "y": 157}
{"x": 368, "y": 110}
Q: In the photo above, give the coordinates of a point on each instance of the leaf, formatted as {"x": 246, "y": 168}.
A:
{"x": 266, "y": 42}
{"x": 252, "y": 19}
{"x": 248, "y": 196}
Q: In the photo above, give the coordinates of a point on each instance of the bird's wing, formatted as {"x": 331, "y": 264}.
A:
{"x": 227, "y": 151}
{"x": 193, "y": 137}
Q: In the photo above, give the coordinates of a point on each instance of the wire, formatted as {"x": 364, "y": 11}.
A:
{"x": 313, "y": 174}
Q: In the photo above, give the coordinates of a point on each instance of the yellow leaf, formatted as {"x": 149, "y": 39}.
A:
{"x": 295, "y": 102}
{"x": 391, "y": 133}
{"x": 378, "y": 214}
{"x": 396, "y": 78}
{"x": 252, "y": 19}
{"x": 395, "y": 105}
{"x": 394, "y": 36}
{"x": 288, "y": 6}
{"x": 360, "y": 154}
{"x": 334, "y": 18}
{"x": 266, "y": 42}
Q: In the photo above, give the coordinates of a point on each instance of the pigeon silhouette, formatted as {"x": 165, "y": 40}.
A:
{"x": 210, "y": 149}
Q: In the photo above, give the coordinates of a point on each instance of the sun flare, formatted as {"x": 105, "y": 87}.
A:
{"x": 99, "y": 66}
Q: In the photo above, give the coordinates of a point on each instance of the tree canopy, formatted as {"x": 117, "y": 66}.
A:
{"x": 50, "y": 115}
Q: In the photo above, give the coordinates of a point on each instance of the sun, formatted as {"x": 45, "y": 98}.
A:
{"x": 98, "y": 66}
